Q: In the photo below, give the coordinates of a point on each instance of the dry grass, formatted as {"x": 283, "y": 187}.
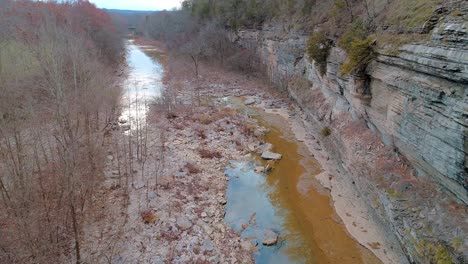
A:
{"x": 410, "y": 14}
{"x": 389, "y": 43}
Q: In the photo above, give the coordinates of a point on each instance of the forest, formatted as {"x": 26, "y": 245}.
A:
{"x": 58, "y": 63}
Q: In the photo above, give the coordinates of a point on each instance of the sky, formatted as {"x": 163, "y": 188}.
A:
{"x": 150, "y": 5}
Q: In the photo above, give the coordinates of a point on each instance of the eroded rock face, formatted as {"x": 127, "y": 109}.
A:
{"x": 416, "y": 102}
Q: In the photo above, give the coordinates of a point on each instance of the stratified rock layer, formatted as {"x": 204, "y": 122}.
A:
{"x": 415, "y": 102}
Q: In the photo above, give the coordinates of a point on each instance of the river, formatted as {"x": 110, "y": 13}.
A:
{"x": 309, "y": 229}
{"x": 143, "y": 84}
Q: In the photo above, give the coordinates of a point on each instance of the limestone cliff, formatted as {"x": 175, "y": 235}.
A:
{"x": 416, "y": 103}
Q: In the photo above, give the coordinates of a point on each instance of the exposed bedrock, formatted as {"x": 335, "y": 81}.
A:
{"x": 416, "y": 103}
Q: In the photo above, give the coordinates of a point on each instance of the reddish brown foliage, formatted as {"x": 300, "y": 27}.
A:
{"x": 192, "y": 169}
{"x": 148, "y": 217}
{"x": 208, "y": 154}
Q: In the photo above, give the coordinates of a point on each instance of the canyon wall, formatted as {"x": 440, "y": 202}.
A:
{"x": 411, "y": 106}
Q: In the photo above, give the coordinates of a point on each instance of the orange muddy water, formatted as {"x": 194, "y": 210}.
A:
{"x": 308, "y": 227}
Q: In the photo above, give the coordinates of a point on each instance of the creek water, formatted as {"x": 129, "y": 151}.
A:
{"x": 308, "y": 228}
{"x": 143, "y": 84}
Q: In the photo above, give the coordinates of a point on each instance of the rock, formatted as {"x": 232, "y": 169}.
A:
{"x": 270, "y": 238}
{"x": 210, "y": 211}
{"x": 416, "y": 104}
{"x": 214, "y": 259}
{"x": 259, "y": 169}
{"x": 183, "y": 223}
{"x": 221, "y": 227}
{"x": 208, "y": 229}
{"x": 207, "y": 245}
{"x": 251, "y": 147}
{"x": 264, "y": 147}
{"x": 271, "y": 155}
{"x": 246, "y": 245}
{"x": 244, "y": 225}
{"x": 152, "y": 195}
{"x": 249, "y": 101}
{"x": 203, "y": 214}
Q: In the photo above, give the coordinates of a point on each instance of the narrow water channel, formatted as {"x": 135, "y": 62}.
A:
{"x": 143, "y": 84}
{"x": 309, "y": 229}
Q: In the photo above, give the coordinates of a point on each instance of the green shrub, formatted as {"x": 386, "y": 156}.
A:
{"x": 318, "y": 48}
{"x": 357, "y": 30}
{"x": 442, "y": 256}
{"x": 457, "y": 242}
{"x": 359, "y": 55}
{"x": 326, "y": 131}
{"x": 394, "y": 194}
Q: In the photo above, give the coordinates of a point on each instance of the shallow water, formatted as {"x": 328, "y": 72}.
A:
{"x": 143, "y": 84}
{"x": 309, "y": 228}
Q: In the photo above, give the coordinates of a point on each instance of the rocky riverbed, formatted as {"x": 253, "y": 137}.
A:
{"x": 171, "y": 207}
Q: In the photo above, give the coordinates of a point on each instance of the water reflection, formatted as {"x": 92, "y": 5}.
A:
{"x": 249, "y": 198}
{"x": 144, "y": 83}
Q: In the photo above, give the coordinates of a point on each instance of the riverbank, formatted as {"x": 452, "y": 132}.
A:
{"x": 217, "y": 83}
{"x": 171, "y": 208}
{"x": 352, "y": 212}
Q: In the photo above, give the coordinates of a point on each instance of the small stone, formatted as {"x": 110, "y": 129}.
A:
{"x": 214, "y": 259}
{"x": 249, "y": 101}
{"x": 203, "y": 214}
{"x": 183, "y": 223}
{"x": 270, "y": 238}
{"x": 251, "y": 147}
{"x": 271, "y": 156}
{"x": 208, "y": 229}
{"x": 259, "y": 169}
{"x": 221, "y": 227}
{"x": 110, "y": 157}
{"x": 222, "y": 201}
{"x": 264, "y": 147}
{"x": 207, "y": 245}
{"x": 246, "y": 245}
{"x": 245, "y": 225}
{"x": 152, "y": 195}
